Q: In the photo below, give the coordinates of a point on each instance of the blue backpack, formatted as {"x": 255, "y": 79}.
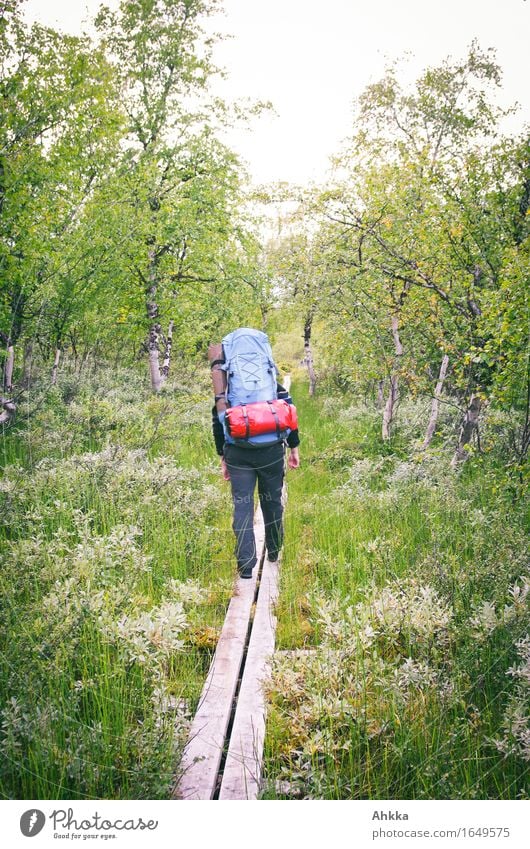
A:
{"x": 250, "y": 376}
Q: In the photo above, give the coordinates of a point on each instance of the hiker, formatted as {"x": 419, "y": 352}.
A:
{"x": 247, "y": 356}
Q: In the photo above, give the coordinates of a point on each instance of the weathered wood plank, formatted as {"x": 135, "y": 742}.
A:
{"x": 242, "y": 772}
{"x": 243, "y": 767}
{"x": 202, "y": 755}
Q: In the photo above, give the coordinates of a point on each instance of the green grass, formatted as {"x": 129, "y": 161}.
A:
{"x": 345, "y": 734}
{"x": 78, "y": 713}
{"x": 95, "y": 546}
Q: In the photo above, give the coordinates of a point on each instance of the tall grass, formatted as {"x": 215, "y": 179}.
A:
{"x": 116, "y": 571}
{"x": 403, "y": 664}
{"x": 402, "y": 669}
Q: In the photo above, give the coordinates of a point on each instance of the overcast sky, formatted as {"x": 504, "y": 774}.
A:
{"x": 312, "y": 58}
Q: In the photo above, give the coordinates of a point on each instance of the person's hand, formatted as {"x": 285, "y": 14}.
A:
{"x": 293, "y": 460}
{"x": 224, "y": 469}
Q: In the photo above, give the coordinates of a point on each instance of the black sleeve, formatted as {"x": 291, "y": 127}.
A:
{"x": 218, "y": 432}
{"x": 293, "y": 440}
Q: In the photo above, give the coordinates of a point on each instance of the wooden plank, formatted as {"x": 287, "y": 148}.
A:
{"x": 201, "y": 759}
{"x": 243, "y": 767}
{"x": 202, "y": 755}
{"x": 242, "y": 772}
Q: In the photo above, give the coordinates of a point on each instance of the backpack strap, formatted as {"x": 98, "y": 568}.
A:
{"x": 245, "y": 416}
{"x": 276, "y": 419}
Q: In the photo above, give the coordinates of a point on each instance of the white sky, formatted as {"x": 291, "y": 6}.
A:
{"x": 312, "y": 58}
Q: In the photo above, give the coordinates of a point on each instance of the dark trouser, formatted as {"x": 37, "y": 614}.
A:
{"x": 245, "y": 465}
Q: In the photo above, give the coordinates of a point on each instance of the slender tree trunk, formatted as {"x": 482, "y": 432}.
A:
{"x": 56, "y": 365}
{"x": 17, "y": 301}
{"x": 83, "y": 360}
{"x": 154, "y": 329}
{"x": 118, "y": 358}
{"x": 8, "y": 368}
{"x": 95, "y": 355}
{"x": 154, "y": 362}
{"x": 380, "y": 400}
{"x": 8, "y": 409}
{"x": 167, "y": 352}
{"x": 393, "y": 392}
{"x": 390, "y": 406}
{"x": 469, "y": 425}
{"x": 308, "y": 354}
{"x": 431, "y": 427}
{"x": 74, "y": 349}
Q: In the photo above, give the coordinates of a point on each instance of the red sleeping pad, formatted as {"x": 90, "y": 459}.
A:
{"x": 260, "y": 417}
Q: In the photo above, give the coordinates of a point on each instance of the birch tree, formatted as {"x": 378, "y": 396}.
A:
{"x": 179, "y": 183}
{"x": 413, "y": 205}
{"x": 58, "y": 129}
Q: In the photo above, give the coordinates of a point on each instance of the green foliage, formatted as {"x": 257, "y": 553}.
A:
{"x": 123, "y": 213}
{"x": 58, "y": 138}
{"x": 114, "y": 585}
{"x": 121, "y": 206}
{"x": 419, "y": 246}
{"x": 403, "y": 609}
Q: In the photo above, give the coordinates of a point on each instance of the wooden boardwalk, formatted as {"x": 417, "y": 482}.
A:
{"x": 223, "y": 756}
{"x": 241, "y": 776}
{"x": 224, "y": 753}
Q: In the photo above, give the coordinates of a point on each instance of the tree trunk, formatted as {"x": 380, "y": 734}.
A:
{"x": 469, "y": 425}
{"x": 154, "y": 363}
{"x": 8, "y": 368}
{"x": 16, "y": 301}
{"x": 431, "y": 427}
{"x": 95, "y": 356}
{"x": 393, "y": 392}
{"x": 83, "y": 359}
{"x": 154, "y": 330}
{"x": 73, "y": 345}
{"x": 167, "y": 352}
{"x": 8, "y": 408}
{"x": 56, "y": 365}
{"x": 308, "y": 355}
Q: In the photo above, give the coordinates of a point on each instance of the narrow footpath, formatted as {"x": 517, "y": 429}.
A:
{"x": 224, "y": 752}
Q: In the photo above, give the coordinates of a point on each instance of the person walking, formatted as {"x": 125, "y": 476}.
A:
{"x": 246, "y": 462}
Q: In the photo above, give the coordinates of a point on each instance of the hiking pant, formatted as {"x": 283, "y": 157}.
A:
{"x": 245, "y": 466}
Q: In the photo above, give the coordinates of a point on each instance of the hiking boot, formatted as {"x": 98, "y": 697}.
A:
{"x": 244, "y": 573}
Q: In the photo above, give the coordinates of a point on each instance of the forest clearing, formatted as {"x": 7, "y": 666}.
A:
{"x": 396, "y": 301}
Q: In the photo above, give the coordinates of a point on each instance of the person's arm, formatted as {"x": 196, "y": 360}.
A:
{"x": 218, "y": 432}
{"x": 219, "y": 437}
{"x": 293, "y": 440}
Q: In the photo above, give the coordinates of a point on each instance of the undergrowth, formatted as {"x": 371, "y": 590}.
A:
{"x": 117, "y": 568}
{"x": 403, "y": 662}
